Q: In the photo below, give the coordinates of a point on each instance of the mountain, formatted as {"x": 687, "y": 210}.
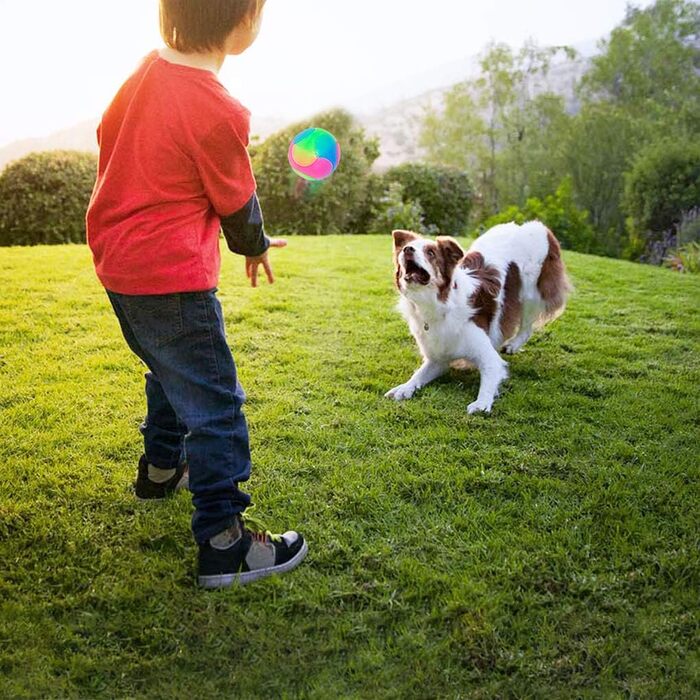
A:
{"x": 81, "y": 137}
{"x": 397, "y": 126}
{"x": 394, "y": 117}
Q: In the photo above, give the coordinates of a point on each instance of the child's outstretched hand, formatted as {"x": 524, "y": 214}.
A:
{"x": 252, "y": 264}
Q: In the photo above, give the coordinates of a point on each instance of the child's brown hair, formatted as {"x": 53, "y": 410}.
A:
{"x": 195, "y": 26}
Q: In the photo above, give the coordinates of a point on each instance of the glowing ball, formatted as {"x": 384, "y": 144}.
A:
{"x": 314, "y": 154}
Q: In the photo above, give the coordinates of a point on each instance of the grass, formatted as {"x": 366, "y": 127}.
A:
{"x": 549, "y": 550}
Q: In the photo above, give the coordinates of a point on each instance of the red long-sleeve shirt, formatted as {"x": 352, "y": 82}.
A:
{"x": 173, "y": 162}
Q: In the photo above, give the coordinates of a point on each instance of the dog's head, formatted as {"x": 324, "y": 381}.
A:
{"x": 422, "y": 264}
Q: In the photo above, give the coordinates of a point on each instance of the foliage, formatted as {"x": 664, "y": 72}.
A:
{"x": 685, "y": 259}
{"x": 44, "y": 197}
{"x": 662, "y": 184}
{"x": 492, "y": 123}
{"x": 644, "y": 85}
{"x": 456, "y": 136}
{"x": 547, "y": 551}
{"x": 363, "y": 220}
{"x": 649, "y": 65}
{"x": 395, "y": 211}
{"x": 599, "y": 150}
{"x": 292, "y": 205}
{"x": 443, "y": 193}
{"x": 660, "y": 248}
{"x": 559, "y": 213}
{"x": 534, "y": 160}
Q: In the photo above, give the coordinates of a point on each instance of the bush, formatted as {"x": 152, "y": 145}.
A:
{"x": 365, "y": 217}
{"x": 445, "y": 194}
{"x": 44, "y": 196}
{"x": 336, "y": 205}
{"x": 676, "y": 244}
{"x": 663, "y": 183}
{"x": 393, "y": 212}
{"x": 685, "y": 259}
{"x": 558, "y": 213}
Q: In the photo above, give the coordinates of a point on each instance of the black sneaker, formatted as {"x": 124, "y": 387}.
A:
{"x": 239, "y": 556}
{"x": 147, "y": 490}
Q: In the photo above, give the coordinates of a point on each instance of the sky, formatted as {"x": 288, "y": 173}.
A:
{"x": 62, "y": 61}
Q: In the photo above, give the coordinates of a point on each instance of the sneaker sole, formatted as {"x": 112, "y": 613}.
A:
{"x": 226, "y": 580}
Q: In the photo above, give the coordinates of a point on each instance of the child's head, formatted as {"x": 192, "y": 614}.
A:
{"x": 200, "y": 26}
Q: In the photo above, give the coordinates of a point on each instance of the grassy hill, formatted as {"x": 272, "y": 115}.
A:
{"x": 550, "y": 549}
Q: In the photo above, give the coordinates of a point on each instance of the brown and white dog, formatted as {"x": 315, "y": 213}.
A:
{"x": 469, "y": 306}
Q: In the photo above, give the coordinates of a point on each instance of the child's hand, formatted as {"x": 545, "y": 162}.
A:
{"x": 252, "y": 264}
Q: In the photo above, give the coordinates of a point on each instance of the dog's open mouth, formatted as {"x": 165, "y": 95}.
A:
{"x": 415, "y": 273}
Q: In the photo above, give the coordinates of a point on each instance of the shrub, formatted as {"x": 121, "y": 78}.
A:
{"x": 394, "y": 212}
{"x": 293, "y": 205}
{"x": 44, "y": 196}
{"x": 663, "y": 183}
{"x": 365, "y": 217}
{"x": 676, "y": 244}
{"x": 558, "y": 213}
{"x": 685, "y": 259}
{"x": 445, "y": 194}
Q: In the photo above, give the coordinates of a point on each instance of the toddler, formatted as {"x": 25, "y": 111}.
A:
{"x": 173, "y": 172}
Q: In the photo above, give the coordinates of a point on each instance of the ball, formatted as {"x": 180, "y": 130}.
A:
{"x": 314, "y": 154}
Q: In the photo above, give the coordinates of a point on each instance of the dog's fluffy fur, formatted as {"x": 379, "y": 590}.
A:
{"x": 469, "y": 306}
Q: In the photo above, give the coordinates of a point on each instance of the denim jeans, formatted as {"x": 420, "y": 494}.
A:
{"x": 194, "y": 400}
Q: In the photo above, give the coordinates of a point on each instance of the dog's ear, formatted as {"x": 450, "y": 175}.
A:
{"x": 473, "y": 261}
{"x": 490, "y": 281}
{"x": 401, "y": 238}
{"x": 450, "y": 249}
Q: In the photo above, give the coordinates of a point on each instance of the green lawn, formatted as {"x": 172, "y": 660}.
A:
{"x": 548, "y": 550}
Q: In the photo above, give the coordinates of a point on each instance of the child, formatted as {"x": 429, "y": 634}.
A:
{"x": 173, "y": 172}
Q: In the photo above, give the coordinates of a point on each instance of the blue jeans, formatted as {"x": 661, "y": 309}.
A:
{"x": 194, "y": 400}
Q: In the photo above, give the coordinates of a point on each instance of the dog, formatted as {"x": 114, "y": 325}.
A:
{"x": 471, "y": 306}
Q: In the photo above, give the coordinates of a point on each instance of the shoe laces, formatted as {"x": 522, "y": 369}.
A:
{"x": 265, "y": 537}
{"x": 257, "y": 528}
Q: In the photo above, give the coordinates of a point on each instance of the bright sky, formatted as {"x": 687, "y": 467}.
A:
{"x": 62, "y": 61}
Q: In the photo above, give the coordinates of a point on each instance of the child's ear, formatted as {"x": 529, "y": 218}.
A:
{"x": 255, "y": 14}
{"x": 401, "y": 238}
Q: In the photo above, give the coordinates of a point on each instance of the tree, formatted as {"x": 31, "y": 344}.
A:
{"x": 642, "y": 87}
{"x": 601, "y": 145}
{"x": 663, "y": 184}
{"x": 649, "y": 65}
{"x": 534, "y": 161}
{"x": 491, "y": 121}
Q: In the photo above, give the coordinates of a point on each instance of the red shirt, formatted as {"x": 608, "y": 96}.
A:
{"x": 173, "y": 162}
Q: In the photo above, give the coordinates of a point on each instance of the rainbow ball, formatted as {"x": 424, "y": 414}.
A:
{"x": 314, "y": 154}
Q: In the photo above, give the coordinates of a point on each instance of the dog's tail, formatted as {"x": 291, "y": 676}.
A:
{"x": 553, "y": 284}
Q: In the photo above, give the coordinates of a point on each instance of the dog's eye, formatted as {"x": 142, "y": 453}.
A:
{"x": 431, "y": 254}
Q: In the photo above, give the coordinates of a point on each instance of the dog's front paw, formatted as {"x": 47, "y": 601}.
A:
{"x": 403, "y": 392}
{"x": 512, "y": 348}
{"x": 479, "y": 407}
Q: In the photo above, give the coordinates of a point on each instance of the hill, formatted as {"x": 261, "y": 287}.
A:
{"x": 549, "y": 550}
{"x": 81, "y": 137}
{"x": 394, "y": 117}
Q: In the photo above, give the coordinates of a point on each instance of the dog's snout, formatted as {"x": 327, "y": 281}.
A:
{"x": 409, "y": 250}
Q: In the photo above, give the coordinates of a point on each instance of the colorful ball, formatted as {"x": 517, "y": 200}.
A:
{"x": 314, "y": 154}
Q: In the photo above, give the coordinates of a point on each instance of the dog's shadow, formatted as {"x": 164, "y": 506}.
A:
{"x": 462, "y": 376}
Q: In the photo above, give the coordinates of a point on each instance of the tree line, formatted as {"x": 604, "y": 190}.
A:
{"x": 625, "y": 165}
